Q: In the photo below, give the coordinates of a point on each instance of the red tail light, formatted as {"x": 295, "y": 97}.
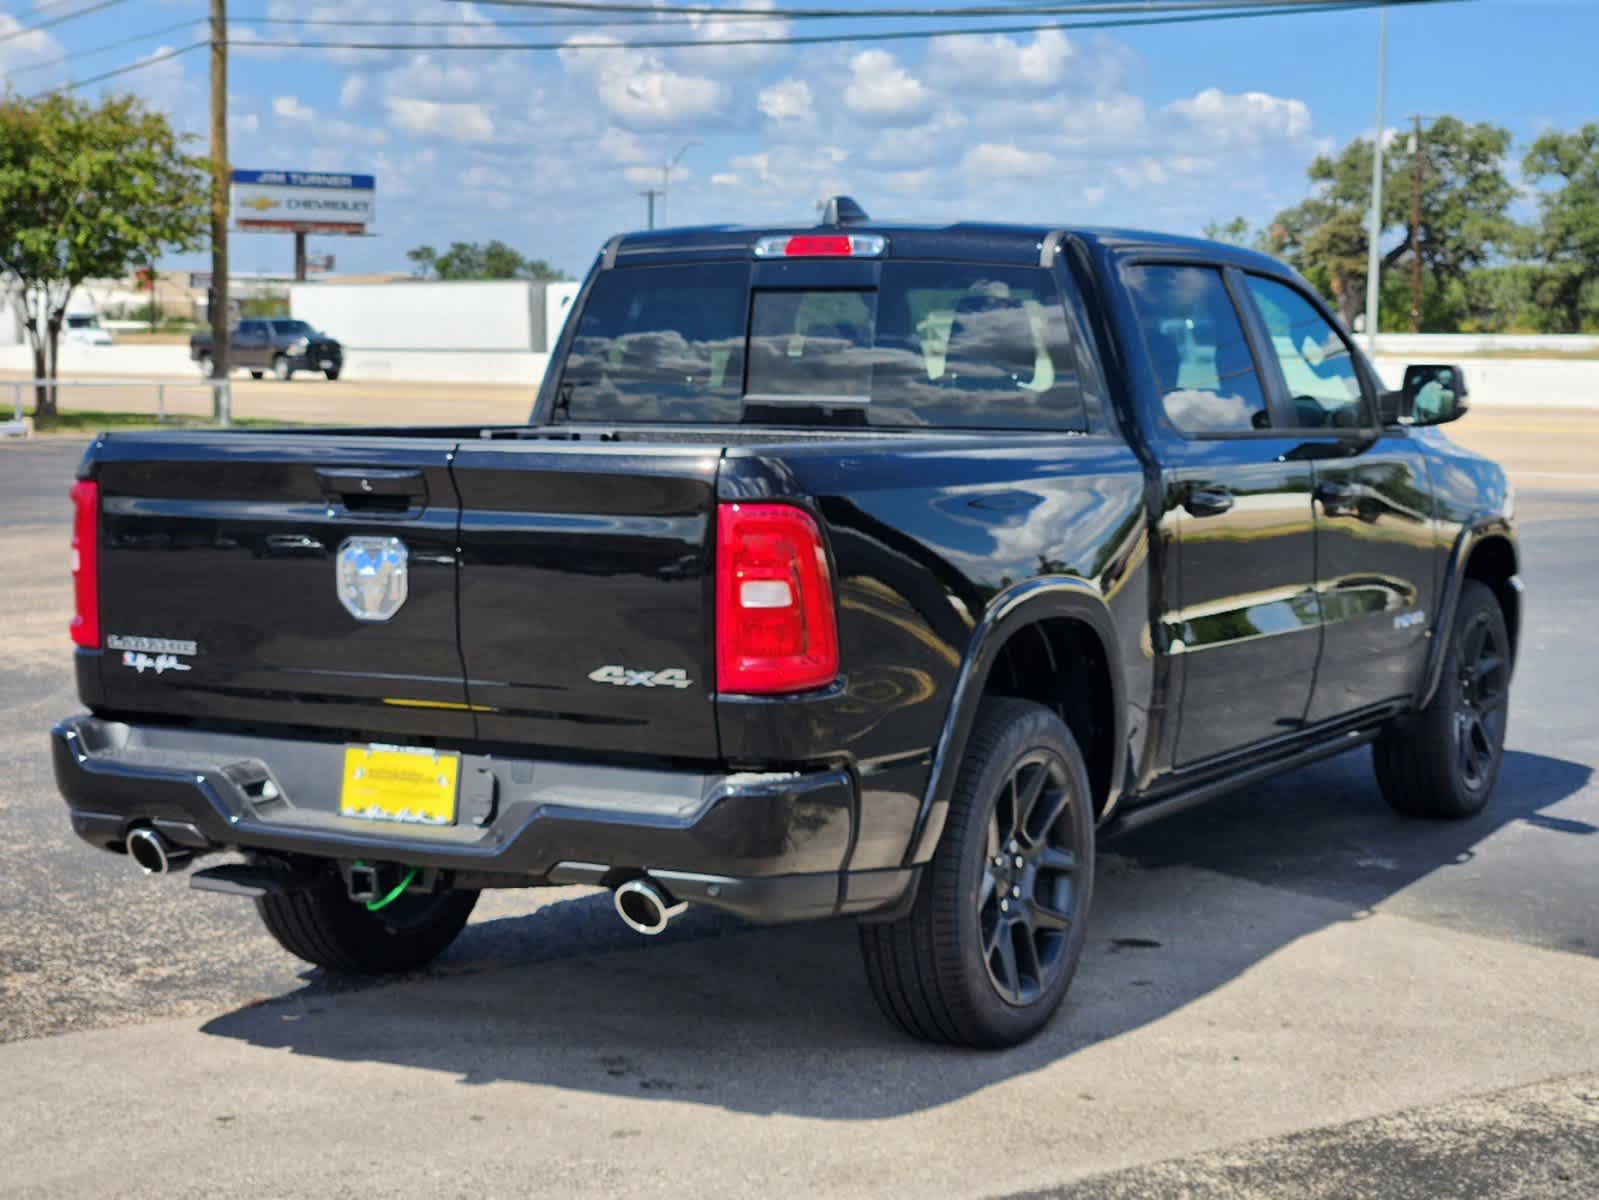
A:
{"x": 775, "y": 627}
{"x": 86, "y": 563}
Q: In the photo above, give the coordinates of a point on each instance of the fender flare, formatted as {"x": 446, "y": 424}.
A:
{"x": 1479, "y": 528}
{"x": 1015, "y": 608}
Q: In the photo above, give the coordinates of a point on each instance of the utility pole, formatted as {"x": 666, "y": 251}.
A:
{"x": 649, "y": 195}
{"x": 221, "y": 401}
{"x": 1373, "y": 251}
{"x": 1415, "y": 230}
{"x": 299, "y": 256}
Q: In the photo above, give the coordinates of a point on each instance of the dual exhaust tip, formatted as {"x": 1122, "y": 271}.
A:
{"x": 644, "y": 906}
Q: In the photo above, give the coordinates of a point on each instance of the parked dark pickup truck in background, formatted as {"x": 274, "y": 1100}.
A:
{"x": 278, "y": 344}
{"x": 860, "y": 570}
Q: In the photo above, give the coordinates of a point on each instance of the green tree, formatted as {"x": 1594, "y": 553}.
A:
{"x": 424, "y": 261}
{"x": 489, "y": 260}
{"x": 1465, "y": 202}
{"x": 87, "y": 191}
{"x": 1566, "y": 238}
{"x": 1235, "y": 232}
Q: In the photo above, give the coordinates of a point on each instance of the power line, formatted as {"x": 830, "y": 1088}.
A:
{"x": 61, "y": 20}
{"x": 93, "y": 50}
{"x": 895, "y": 35}
{"x": 138, "y": 66}
{"x": 970, "y": 11}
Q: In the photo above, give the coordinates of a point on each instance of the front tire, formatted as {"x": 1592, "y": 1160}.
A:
{"x": 332, "y": 373}
{"x": 281, "y": 369}
{"x": 254, "y": 374}
{"x": 323, "y": 926}
{"x": 1443, "y": 761}
{"x": 989, "y": 948}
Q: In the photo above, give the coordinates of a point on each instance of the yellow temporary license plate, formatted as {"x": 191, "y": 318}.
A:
{"x": 392, "y": 783}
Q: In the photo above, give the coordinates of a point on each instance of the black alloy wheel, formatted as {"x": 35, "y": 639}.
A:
{"x": 1443, "y": 760}
{"x": 1027, "y": 900}
{"x": 1484, "y": 694}
{"x": 986, "y": 952}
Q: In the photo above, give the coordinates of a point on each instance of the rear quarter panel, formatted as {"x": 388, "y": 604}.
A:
{"x": 926, "y": 531}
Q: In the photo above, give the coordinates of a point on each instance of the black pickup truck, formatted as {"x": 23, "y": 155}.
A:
{"x": 863, "y": 570}
{"x": 278, "y": 344}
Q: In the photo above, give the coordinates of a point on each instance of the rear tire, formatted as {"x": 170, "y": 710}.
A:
{"x": 281, "y": 369}
{"x": 323, "y": 926}
{"x": 989, "y": 948}
{"x": 332, "y": 373}
{"x": 1443, "y": 761}
{"x": 254, "y": 374}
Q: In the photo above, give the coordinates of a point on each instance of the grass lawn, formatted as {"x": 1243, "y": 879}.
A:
{"x": 77, "y": 420}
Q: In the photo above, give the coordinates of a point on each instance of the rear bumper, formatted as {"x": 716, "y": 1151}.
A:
{"x": 316, "y": 359}
{"x": 771, "y": 847}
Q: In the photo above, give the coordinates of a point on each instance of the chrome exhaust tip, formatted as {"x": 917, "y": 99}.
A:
{"x": 645, "y": 908}
{"x": 154, "y": 854}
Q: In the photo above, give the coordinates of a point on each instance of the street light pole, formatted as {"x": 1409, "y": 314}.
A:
{"x": 666, "y": 172}
{"x": 1373, "y": 251}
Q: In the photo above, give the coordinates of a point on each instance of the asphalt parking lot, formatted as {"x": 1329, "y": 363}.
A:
{"x": 1291, "y": 991}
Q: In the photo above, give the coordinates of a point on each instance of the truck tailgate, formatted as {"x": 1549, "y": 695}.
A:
{"x": 232, "y": 543}
{"x": 586, "y": 595}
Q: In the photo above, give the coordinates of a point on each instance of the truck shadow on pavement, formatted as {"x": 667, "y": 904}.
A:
{"x": 780, "y": 1020}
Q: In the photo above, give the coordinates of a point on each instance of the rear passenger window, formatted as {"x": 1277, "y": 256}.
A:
{"x": 1196, "y": 342}
{"x": 1317, "y": 365}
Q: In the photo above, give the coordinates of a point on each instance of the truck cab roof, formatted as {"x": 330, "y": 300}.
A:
{"x": 961, "y": 241}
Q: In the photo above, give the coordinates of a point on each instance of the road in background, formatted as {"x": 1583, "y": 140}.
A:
{"x": 1282, "y": 960}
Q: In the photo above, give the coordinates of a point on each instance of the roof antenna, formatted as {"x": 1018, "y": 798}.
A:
{"x": 842, "y": 210}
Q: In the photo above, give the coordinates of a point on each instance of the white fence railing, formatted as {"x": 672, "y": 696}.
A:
{"x": 220, "y": 389}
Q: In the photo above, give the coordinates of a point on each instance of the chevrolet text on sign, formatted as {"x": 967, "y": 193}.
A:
{"x": 312, "y": 201}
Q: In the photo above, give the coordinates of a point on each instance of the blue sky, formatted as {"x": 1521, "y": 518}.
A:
{"x": 1167, "y": 127}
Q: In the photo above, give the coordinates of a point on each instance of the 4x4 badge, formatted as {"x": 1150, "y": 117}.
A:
{"x": 672, "y": 677}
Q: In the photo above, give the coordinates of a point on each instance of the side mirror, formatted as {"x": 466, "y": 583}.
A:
{"x": 1434, "y": 394}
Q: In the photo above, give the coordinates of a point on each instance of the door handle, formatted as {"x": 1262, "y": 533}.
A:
{"x": 373, "y": 489}
{"x": 1208, "y": 502}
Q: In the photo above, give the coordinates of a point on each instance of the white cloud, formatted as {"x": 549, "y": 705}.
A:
{"x": 909, "y": 182}
{"x": 18, "y": 49}
{"x": 883, "y": 91}
{"x": 651, "y": 176}
{"x": 1000, "y": 63}
{"x": 1244, "y": 118}
{"x": 433, "y": 119}
{"x": 1140, "y": 173}
{"x": 622, "y": 146}
{"x": 936, "y": 140}
{"x": 289, "y": 108}
{"x": 787, "y": 102}
{"x": 724, "y": 179}
{"x": 352, "y": 90}
{"x": 242, "y": 123}
{"x": 1007, "y": 160}
{"x": 713, "y": 54}
{"x": 640, "y": 90}
{"x": 426, "y": 77}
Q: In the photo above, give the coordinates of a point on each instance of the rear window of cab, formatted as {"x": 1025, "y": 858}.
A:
{"x": 942, "y": 345}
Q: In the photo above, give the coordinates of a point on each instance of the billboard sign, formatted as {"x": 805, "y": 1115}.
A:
{"x": 302, "y": 201}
